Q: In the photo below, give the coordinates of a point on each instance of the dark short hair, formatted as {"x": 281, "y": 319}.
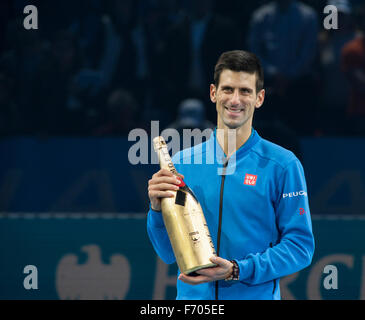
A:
{"x": 239, "y": 60}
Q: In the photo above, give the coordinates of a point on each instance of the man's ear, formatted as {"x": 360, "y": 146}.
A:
{"x": 213, "y": 93}
{"x": 260, "y": 98}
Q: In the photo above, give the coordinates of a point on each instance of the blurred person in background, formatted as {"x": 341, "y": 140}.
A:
{"x": 22, "y": 61}
{"x": 283, "y": 33}
{"x": 240, "y": 12}
{"x": 149, "y": 38}
{"x": 121, "y": 115}
{"x": 124, "y": 19}
{"x": 334, "y": 86}
{"x": 85, "y": 98}
{"x": 93, "y": 82}
{"x": 139, "y": 29}
{"x": 192, "y": 47}
{"x": 353, "y": 66}
{"x": 50, "y": 88}
{"x": 191, "y": 115}
{"x": 88, "y": 26}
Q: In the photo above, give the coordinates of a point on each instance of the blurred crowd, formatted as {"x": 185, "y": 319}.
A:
{"x": 104, "y": 67}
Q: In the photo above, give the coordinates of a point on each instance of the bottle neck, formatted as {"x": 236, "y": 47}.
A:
{"x": 165, "y": 160}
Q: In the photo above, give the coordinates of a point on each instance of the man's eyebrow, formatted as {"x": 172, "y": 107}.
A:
{"x": 246, "y": 88}
{"x": 241, "y": 88}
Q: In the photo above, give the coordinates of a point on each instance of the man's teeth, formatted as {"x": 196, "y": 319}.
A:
{"x": 234, "y": 110}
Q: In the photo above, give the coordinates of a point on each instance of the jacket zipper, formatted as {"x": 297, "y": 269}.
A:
{"x": 273, "y": 290}
{"x": 220, "y": 217}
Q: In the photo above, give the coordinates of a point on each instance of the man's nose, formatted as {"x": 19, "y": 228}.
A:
{"x": 235, "y": 100}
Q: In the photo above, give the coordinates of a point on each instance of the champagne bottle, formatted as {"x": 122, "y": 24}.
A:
{"x": 184, "y": 221}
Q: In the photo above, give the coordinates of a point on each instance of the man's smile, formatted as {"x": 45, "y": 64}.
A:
{"x": 234, "y": 111}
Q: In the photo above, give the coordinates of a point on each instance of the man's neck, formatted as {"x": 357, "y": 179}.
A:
{"x": 239, "y": 135}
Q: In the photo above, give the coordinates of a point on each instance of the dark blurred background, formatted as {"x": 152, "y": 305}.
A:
{"x": 72, "y": 91}
{"x": 101, "y": 68}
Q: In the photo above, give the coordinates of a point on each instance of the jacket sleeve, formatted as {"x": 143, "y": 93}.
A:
{"x": 295, "y": 246}
{"x": 158, "y": 235}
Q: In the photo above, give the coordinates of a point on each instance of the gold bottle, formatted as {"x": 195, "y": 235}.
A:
{"x": 184, "y": 221}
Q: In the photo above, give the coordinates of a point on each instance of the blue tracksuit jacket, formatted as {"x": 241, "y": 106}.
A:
{"x": 260, "y": 198}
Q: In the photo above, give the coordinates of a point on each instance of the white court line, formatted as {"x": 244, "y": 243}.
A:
{"x": 74, "y": 215}
{"x": 137, "y": 215}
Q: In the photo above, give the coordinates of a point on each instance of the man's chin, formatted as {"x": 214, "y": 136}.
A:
{"x": 234, "y": 125}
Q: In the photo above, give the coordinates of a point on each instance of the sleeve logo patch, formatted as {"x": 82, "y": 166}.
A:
{"x": 295, "y": 194}
{"x": 250, "y": 179}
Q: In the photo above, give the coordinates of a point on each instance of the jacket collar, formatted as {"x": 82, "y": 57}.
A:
{"x": 220, "y": 157}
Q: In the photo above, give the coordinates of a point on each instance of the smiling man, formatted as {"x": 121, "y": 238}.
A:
{"x": 236, "y": 94}
{"x": 260, "y": 235}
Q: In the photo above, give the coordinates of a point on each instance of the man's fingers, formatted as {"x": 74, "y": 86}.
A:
{"x": 208, "y": 272}
{"x": 166, "y": 172}
{"x": 169, "y": 173}
{"x": 163, "y": 186}
{"x": 220, "y": 261}
{"x": 193, "y": 280}
{"x": 164, "y": 179}
{"x": 160, "y": 194}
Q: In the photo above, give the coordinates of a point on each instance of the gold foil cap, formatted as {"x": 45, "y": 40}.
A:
{"x": 158, "y": 143}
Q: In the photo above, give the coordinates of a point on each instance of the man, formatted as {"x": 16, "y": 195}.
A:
{"x": 258, "y": 214}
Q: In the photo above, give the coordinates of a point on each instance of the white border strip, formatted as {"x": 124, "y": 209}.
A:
{"x": 72, "y": 215}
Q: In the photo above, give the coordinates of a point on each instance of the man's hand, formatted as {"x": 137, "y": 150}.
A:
{"x": 221, "y": 271}
{"x": 159, "y": 186}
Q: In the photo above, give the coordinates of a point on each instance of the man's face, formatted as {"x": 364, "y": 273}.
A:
{"x": 236, "y": 99}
